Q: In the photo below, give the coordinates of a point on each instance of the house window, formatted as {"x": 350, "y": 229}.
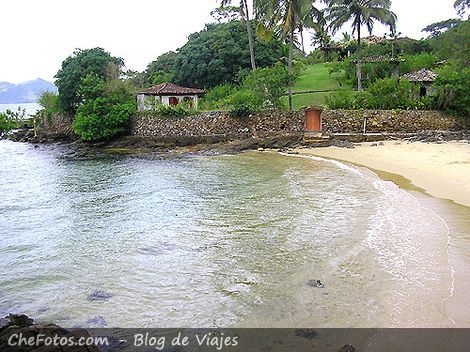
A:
{"x": 189, "y": 101}
{"x": 423, "y": 92}
{"x": 173, "y": 101}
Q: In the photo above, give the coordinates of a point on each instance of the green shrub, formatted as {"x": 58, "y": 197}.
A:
{"x": 101, "y": 119}
{"x": 7, "y": 121}
{"x": 218, "y": 97}
{"x": 453, "y": 85}
{"x": 384, "y": 94}
{"x": 106, "y": 110}
{"x": 269, "y": 85}
{"x": 244, "y": 102}
{"x": 389, "y": 94}
{"x": 416, "y": 62}
{"x": 343, "y": 99}
{"x": 174, "y": 111}
{"x": 49, "y": 101}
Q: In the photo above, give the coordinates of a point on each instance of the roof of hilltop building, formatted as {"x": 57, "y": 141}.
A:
{"x": 379, "y": 59}
{"x": 172, "y": 89}
{"x": 422, "y": 75}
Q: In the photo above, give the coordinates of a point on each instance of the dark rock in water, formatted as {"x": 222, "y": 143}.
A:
{"x": 99, "y": 295}
{"x": 25, "y": 326}
{"x": 374, "y": 145}
{"x": 4, "y": 322}
{"x": 97, "y": 321}
{"x": 22, "y": 320}
{"x": 347, "y": 348}
{"x": 308, "y": 334}
{"x": 315, "y": 283}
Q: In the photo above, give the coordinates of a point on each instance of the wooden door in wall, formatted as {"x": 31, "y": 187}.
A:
{"x": 313, "y": 120}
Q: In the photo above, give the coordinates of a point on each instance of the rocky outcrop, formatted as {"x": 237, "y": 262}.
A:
{"x": 35, "y": 336}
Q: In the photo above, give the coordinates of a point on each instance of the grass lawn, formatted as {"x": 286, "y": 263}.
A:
{"x": 315, "y": 77}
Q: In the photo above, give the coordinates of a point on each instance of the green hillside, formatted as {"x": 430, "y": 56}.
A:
{"x": 315, "y": 77}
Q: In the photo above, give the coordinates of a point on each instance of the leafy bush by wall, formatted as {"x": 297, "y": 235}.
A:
{"x": 453, "y": 87}
{"x": 106, "y": 110}
{"x": 385, "y": 94}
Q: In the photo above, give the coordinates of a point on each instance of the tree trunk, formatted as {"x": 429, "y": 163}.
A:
{"x": 291, "y": 59}
{"x": 250, "y": 35}
{"x": 359, "y": 70}
{"x": 302, "y": 40}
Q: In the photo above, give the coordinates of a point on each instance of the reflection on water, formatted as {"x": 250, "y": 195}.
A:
{"x": 214, "y": 241}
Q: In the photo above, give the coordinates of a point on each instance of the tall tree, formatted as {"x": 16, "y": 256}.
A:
{"x": 245, "y": 13}
{"x": 321, "y": 37}
{"x": 362, "y": 13}
{"x": 78, "y": 66}
{"x": 290, "y": 15}
{"x": 219, "y": 53}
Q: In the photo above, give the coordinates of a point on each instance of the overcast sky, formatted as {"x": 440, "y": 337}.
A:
{"x": 39, "y": 34}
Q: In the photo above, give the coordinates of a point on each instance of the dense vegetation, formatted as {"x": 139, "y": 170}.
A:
{"x": 211, "y": 57}
{"x": 106, "y": 109}
{"x": 90, "y": 87}
{"x": 251, "y": 64}
{"x": 79, "y": 65}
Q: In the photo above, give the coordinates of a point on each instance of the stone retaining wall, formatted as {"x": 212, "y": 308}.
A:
{"x": 388, "y": 121}
{"x": 56, "y": 126}
{"x": 218, "y": 126}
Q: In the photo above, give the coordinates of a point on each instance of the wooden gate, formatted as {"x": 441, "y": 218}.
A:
{"x": 313, "y": 120}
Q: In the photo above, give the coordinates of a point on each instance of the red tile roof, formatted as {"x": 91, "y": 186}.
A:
{"x": 170, "y": 88}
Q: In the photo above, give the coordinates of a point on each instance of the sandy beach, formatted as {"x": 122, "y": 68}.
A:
{"x": 441, "y": 170}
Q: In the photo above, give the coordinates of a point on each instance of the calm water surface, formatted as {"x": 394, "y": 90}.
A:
{"x": 29, "y": 108}
{"x": 214, "y": 241}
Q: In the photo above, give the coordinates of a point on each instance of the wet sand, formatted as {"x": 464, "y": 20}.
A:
{"x": 442, "y": 170}
{"x": 439, "y": 170}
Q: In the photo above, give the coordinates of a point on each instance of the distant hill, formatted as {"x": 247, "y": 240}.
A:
{"x": 26, "y": 92}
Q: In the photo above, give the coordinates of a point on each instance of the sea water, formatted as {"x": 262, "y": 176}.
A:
{"x": 193, "y": 240}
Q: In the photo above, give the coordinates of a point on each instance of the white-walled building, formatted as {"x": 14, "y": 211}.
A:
{"x": 168, "y": 94}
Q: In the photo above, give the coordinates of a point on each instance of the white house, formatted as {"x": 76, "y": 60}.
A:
{"x": 168, "y": 94}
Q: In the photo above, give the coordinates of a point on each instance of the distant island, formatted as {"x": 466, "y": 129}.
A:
{"x": 26, "y": 92}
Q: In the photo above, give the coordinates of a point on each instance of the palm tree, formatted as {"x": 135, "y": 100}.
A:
{"x": 245, "y": 13}
{"x": 290, "y": 15}
{"x": 321, "y": 37}
{"x": 362, "y": 13}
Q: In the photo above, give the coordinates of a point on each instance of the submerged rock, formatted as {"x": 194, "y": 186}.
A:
{"x": 347, "y": 348}
{"x": 99, "y": 295}
{"x": 97, "y": 321}
{"x": 25, "y": 326}
{"x": 315, "y": 283}
{"x": 21, "y": 321}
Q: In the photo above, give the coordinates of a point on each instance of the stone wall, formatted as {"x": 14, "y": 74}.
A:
{"x": 218, "y": 126}
{"x": 55, "y": 126}
{"x": 388, "y": 121}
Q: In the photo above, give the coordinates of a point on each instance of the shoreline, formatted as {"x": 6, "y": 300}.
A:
{"x": 440, "y": 170}
{"x": 444, "y": 204}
